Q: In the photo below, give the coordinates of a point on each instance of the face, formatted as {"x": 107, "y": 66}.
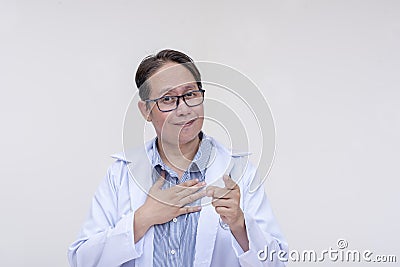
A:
{"x": 182, "y": 125}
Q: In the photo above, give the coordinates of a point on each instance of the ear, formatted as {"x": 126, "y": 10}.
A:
{"x": 146, "y": 112}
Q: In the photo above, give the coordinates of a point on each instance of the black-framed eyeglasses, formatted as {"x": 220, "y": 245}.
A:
{"x": 169, "y": 103}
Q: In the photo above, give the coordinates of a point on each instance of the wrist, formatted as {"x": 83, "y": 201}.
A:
{"x": 239, "y": 225}
{"x": 144, "y": 218}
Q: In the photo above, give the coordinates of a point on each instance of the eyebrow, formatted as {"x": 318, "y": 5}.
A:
{"x": 185, "y": 85}
{"x": 165, "y": 90}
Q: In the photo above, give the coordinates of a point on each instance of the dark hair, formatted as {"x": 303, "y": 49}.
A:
{"x": 152, "y": 63}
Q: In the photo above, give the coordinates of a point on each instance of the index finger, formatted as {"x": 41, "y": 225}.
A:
{"x": 189, "y": 183}
{"x": 160, "y": 181}
{"x": 218, "y": 192}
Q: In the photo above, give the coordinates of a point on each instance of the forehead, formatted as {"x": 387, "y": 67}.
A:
{"x": 169, "y": 76}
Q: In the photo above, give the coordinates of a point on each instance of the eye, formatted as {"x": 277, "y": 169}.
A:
{"x": 192, "y": 94}
{"x": 189, "y": 94}
{"x": 168, "y": 99}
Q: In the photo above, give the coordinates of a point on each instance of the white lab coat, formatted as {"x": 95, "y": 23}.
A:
{"x": 107, "y": 236}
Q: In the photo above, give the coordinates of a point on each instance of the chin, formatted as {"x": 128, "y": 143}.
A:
{"x": 182, "y": 138}
{"x": 185, "y": 138}
{"x": 190, "y": 134}
{"x": 183, "y": 135}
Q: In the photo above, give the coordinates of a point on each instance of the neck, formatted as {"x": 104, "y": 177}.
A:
{"x": 178, "y": 156}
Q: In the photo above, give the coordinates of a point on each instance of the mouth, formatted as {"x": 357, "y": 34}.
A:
{"x": 187, "y": 123}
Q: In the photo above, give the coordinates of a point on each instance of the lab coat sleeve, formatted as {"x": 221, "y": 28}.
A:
{"x": 262, "y": 230}
{"x": 106, "y": 239}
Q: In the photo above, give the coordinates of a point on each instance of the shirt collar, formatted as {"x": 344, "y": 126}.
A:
{"x": 200, "y": 160}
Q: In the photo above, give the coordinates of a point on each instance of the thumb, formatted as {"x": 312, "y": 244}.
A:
{"x": 229, "y": 183}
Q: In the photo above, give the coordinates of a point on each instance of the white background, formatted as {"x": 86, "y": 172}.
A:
{"x": 329, "y": 69}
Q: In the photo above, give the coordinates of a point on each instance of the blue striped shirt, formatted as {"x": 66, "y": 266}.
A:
{"x": 175, "y": 241}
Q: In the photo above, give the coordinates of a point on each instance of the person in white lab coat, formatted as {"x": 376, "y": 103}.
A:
{"x": 182, "y": 199}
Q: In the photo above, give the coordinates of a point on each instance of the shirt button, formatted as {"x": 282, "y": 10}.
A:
{"x": 173, "y": 251}
{"x": 174, "y": 220}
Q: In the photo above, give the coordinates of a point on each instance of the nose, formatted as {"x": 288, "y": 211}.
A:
{"x": 182, "y": 108}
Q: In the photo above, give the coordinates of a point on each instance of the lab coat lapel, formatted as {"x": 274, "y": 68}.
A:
{"x": 209, "y": 220}
{"x": 140, "y": 181}
{"x": 140, "y": 168}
